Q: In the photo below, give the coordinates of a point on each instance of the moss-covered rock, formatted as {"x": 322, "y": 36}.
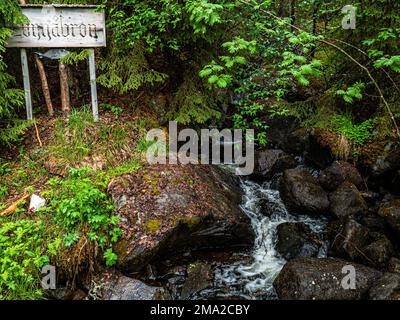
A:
{"x": 195, "y": 207}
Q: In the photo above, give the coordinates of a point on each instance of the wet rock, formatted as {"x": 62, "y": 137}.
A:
{"x": 272, "y": 161}
{"x": 297, "y": 240}
{"x": 175, "y": 278}
{"x": 321, "y": 279}
{"x": 350, "y": 241}
{"x": 394, "y": 265}
{"x": 297, "y": 141}
{"x": 64, "y": 293}
{"x": 381, "y": 158}
{"x": 390, "y": 211}
{"x": 269, "y": 206}
{"x": 347, "y": 201}
{"x": 386, "y": 288}
{"x": 301, "y": 192}
{"x": 115, "y": 286}
{"x": 339, "y": 172}
{"x": 280, "y": 128}
{"x": 324, "y": 147}
{"x": 379, "y": 252}
{"x": 169, "y": 209}
{"x": 374, "y": 222}
{"x": 200, "y": 276}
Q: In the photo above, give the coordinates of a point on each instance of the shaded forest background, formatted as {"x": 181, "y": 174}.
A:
{"x": 204, "y": 63}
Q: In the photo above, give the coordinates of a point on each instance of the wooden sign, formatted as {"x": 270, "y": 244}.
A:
{"x": 60, "y": 26}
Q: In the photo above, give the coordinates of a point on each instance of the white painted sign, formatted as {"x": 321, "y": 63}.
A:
{"x": 60, "y": 26}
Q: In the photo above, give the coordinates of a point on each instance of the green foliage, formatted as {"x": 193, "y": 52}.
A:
{"x": 74, "y": 138}
{"x": 10, "y": 98}
{"x": 73, "y": 58}
{"x": 203, "y": 14}
{"x": 116, "y": 110}
{"x": 125, "y": 71}
{"x": 357, "y": 133}
{"x": 110, "y": 257}
{"x": 220, "y": 75}
{"x": 21, "y": 257}
{"x": 192, "y": 105}
{"x": 352, "y": 92}
{"x": 83, "y": 209}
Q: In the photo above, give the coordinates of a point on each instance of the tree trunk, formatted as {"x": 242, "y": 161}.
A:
{"x": 65, "y": 101}
{"x": 45, "y": 85}
{"x": 293, "y": 13}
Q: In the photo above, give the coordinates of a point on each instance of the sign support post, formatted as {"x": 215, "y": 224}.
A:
{"x": 60, "y": 26}
{"x": 93, "y": 87}
{"x": 27, "y": 85}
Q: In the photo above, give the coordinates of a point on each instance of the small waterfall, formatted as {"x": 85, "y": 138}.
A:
{"x": 253, "y": 278}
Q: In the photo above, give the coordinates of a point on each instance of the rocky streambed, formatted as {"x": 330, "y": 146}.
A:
{"x": 291, "y": 230}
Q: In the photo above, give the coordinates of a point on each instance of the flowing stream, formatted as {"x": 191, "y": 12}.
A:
{"x": 253, "y": 276}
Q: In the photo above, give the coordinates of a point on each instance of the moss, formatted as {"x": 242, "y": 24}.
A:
{"x": 191, "y": 221}
{"x": 152, "y": 180}
{"x": 152, "y": 225}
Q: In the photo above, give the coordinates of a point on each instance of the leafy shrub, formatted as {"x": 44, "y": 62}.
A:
{"x": 82, "y": 209}
{"x": 21, "y": 256}
{"x": 10, "y": 98}
{"x": 352, "y": 92}
{"x": 357, "y": 133}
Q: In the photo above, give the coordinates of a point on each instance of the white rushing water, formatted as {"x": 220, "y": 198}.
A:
{"x": 253, "y": 278}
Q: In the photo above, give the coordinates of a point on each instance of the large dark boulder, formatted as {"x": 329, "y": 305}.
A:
{"x": 115, "y": 286}
{"x": 347, "y": 201}
{"x": 199, "y": 277}
{"x": 339, "y": 172}
{"x": 357, "y": 243}
{"x": 379, "y": 252}
{"x": 350, "y": 241}
{"x": 390, "y": 211}
{"x": 302, "y": 192}
{"x": 323, "y": 147}
{"x": 279, "y": 129}
{"x": 394, "y": 265}
{"x": 386, "y": 288}
{"x": 296, "y": 240}
{"x": 168, "y": 209}
{"x": 271, "y": 161}
{"x": 381, "y": 157}
{"x": 321, "y": 279}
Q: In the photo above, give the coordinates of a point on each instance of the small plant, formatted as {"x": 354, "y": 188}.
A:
{"x": 110, "y": 257}
{"x": 4, "y": 169}
{"x": 357, "y": 133}
{"x": 21, "y": 256}
{"x": 82, "y": 209}
{"x": 152, "y": 225}
{"x": 352, "y": 92}
{"x": 116, "y": 110}
{"x": 3, "y": 191}
{"x": 73, "y": 58}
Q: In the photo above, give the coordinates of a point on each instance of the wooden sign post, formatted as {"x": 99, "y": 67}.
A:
{"x": 60, "y": 26}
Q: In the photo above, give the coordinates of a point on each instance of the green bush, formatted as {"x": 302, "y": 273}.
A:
{"x": 22, "y": 244}
{"x": 10, "y": 98}
{"x": 357, "y": 133}
{"x": 81, "y": 209}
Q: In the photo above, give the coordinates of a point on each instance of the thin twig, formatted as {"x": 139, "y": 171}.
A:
{"x": 37, "y": 134}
